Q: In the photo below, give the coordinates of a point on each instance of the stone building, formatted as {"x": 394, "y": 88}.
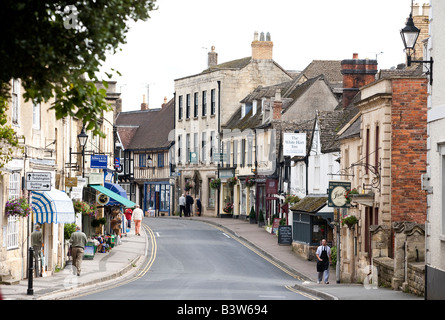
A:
{"x": 204, "y": 103}
{"x": 145, "y": 153}
{"x": 383, "y": 152}
{"x": 50, "y": 146}
{"x": 433, "y": 181}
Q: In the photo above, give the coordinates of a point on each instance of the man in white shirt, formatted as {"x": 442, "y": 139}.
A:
{"x": 182, "y": 205}
{"x": 323, "y": 254}
{"x": 137, "y": 216}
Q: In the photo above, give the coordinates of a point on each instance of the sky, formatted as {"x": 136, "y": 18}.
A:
{"x": 175, "y": 41}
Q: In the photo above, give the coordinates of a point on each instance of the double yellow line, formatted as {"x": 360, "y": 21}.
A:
{"x": 153, "y": 252}
{"x": 258, "y": 253}
{"x": 307, "y": 295}
{"x": 272, "y": 262}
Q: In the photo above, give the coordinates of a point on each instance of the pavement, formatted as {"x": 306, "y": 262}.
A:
{"x": 124, "y": 261}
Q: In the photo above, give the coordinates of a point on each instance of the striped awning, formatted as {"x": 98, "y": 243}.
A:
{"x": 52, "y": 207}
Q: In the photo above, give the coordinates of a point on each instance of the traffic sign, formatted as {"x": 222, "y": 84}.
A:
{"x": 38, "y": 181}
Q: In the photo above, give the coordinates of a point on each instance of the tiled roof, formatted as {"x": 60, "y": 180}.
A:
{"x": 147, "y": 129}
{"x": 234, "y": 64}
{"x": 330, "y": 68}
{"x": 329, "y": 126}
{"x": 310, "y": 204}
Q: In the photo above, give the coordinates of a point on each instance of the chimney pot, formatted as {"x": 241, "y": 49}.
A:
{"x": 355, "y": 56}
{"x": 212, "y": 58}
{"x": 262, "y": 50}
{"x": 144, "y": 105}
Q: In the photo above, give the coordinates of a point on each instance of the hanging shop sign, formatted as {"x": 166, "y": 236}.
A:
{"x": 336, "y": 194}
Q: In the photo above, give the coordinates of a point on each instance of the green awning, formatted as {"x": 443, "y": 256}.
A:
{"x": 113, "y": 195}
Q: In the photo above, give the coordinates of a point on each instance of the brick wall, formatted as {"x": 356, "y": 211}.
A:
{"x": 409, "y": 146}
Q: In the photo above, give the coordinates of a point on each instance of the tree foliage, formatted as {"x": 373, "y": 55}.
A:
{"x": 57, "y": 49}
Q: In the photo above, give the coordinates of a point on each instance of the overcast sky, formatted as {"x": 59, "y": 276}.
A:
{"x": 174, "y": 43}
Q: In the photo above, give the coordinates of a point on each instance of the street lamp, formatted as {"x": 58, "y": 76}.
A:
{"x": 409, "y": 35}
{"x": 83, "y": 137}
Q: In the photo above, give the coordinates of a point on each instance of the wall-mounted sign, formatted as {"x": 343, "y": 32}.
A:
{"x": 102, "y": 199}
{"x": 99, "y": 161}
{"x": 294, "y": 144}
{"x": 336, "y": 194}
{"x": 193, "y": 157}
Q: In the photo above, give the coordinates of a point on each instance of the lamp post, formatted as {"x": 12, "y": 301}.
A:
{"x": 83, "y": 137}
{"x": 409, "y": 35}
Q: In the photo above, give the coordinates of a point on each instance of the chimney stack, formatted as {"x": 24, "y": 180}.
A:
{"x": 262, "y": 49}
{"x": 356, "y": 74}
{"x": 144, "y": 105}
{"x": 277, "y": 106}
{"x": 165, "y": 102}
{"x": 212, "y": 58}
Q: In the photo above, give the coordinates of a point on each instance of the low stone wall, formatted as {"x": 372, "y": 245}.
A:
{"x": 304, "y": 250}
{"x": 385, "y": 269}
{"x": 416, "y": 276}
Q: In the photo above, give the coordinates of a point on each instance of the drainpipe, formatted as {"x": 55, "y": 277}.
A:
{"x": 219, "y": 139}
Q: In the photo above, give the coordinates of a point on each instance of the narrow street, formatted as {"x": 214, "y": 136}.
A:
{"x": 192, "y": 260}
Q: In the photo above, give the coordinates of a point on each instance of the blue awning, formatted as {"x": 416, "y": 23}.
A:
{"x": 53, "y": 207}
{"x": 116, "y": 189}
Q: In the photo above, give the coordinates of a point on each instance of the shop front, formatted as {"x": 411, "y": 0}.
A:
{"x": 312, "y": 222}
{"x": 51, "y": 210}
{"x": 157, "y": 198}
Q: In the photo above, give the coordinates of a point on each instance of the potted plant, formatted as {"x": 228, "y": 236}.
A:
{"x": 228, "y": 208}
{"x": 17, "y": 207}
{"x": 215, "y": 183}
{"x": 252, "y": 216}
{"x": 350, "y": 221}
{"x": 261, "y": 222}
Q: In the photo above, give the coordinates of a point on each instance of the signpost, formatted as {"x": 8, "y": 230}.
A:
{"x": 38, "y": 181}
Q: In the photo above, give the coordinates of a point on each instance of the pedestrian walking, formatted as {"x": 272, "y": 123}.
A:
{"x": 137, "y": 216}
{"x": 78, "y": 242}
{"x": 36, "y": 244}
{"x": 128, "y": 213}
{"x": 198, "y": 207}
{"x": 323, "y": 254}
{"x": 182, "y": 205}
{"x": 188, "y": 204}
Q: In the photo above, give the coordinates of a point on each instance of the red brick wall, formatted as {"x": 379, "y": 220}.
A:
{"x": 356, "y": 73}
{"x": 408, "y": 151}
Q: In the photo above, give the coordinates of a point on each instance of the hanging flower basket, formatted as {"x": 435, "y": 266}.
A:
{"x": 349, "y": 193}
{"x": 215, "y": 183}
{"x": 17, "y": 207}
{"x": 250, "y": 182}
{"x": 291, "y": 199}
{"x": 81, "y": 207}
{"x": 350, "y": 221}
{"x": 188, "y": 186}
{"x": 232, "y": 181}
